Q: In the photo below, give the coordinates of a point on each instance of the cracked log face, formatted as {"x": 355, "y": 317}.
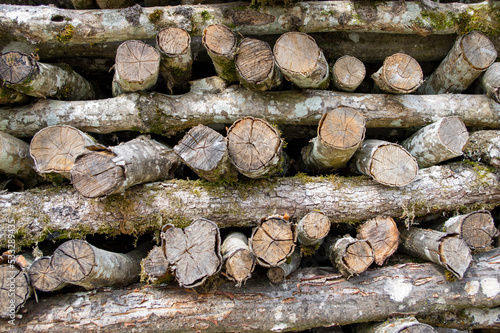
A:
{"x": 453, "y": 134}
{"x": 348, "y": 73}
{"x": 16, "y": 67}
{"x": 351, "y": 256}
{"x": 312, "y": 228}
{"x": 478, "y": 230}
{"x": 43, "y": 277}
{"x": 382, "y": 234}
{"x": 73, "y": 261}
{"x": 400, "y": 74}
{"x": 220, "y": 43}
{"x": 173, "y": 41}
{"x": 14, "y": 286}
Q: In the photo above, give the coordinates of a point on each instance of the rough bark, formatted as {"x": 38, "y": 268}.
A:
{"x": 282, "y": 271}
{"x": 387, "y": 163}
{"x": 255, "y": 148}
{"x": 204, "y": 150}
{"x": 193, "y": 252}
{"x": 351, "y": 256}
{"x": 155, "y": 267}
{"x": 468, "y": 319}
{"x": 12, "y": 96}
{"x": 15, "y": 159}
{"x": 491, "y": 82}
{"x": 24, "y": 73}
{"x": 471, "y": 55}
{"x": 55, "y": 148}
{"x": 113, "y": 170}
{"x": 137, "y": 66}
{"x": 220, "y": 43}
{"x": 313, "y": 228}
{"x": 43, "y": 277}
{"x": 347, "y": 73}
{"x": 395, "y": 325}
{"x": 484, "y": 146}
{"x": 400, "y": 74}
{"x": 44, "y": 212}
{"x": 239, "y": 261}
{"x": 80, "y": 263}
{"x": 438, "y": 142}
{"x": 168, "y": 115}
{"x": 301, "y": 60}
{"x": 382, "y": 234}
{"x": 255, "y": 65}
{"x": 340, "y": 133}
{"x": 444, "y": 249}
{"x": 174, "y": 45}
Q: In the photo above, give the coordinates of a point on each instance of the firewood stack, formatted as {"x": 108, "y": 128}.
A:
{"x": 207, "y": 167}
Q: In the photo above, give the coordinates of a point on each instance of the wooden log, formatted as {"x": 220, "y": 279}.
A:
{"x": 221, "y": 43}
{"x": 279, "y": 273}
{"x": 12, "y": 96}
{"x": 400, "y": 74}
{"x": 347, "y": 73}
{"x": 24, "y": 73}
{"x": 301, "y": 60}
{"x": 239, "y": 261}
{"x": 55, "y": 148}
{"x": 446, "y": 250}
{"x": 204, "y": 150}
{"x": 382, "y": 234}
{"x": 484, "y": 146}
{"x": 387, "y": 163}
{"x": 395, "y": 325}
{"x": 255, "y": 148}
{"x": 438, "y": 142}
{"x": 193, "y": 252}
{"x": 43, "y": 277}
{"x": 471, "y": 55}
{"x": 255, "y": 65}
{"x": 468, "y": 319}
{"x": 491, "y": 82}
{"x": 114, "y": 4}
{"x": 477, "y": 229}
{"x": 174, "y": 45}
{"x": 137, "y": 66}
{"x": 113, "y": 170}
{"x": 15, "y": 288}
{"x": 155, "y": 267}
{"x": 273, "y": 241}
{"x": 340, "y": 133}
{"x": 313, "y": 228}
{"x": 244, "y": 203}
{"x": 169, "y": 115}
{"x": 80, "y": 263}
{"x": 351, "y": 256}
{"x": 15, "y": 159}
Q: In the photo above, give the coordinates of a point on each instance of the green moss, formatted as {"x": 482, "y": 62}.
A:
{"x": 66, "y": 91}
{"x": 308, "y": 251}
{"x": 329, "y": 12}
{"x": 65, "y": 34}
{"x": 439, "y": 20}
{"x": 205, "y": 16}
{"x": 155, "y": 16}
{"x": 483, "y": 19}
{"x": 231, "y": 26}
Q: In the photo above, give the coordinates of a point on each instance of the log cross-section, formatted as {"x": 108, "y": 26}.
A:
{"x": 348, "y": 72}
{"x": 400, "y": 74}
{"x": 43, "y": 277}
{"x": 382, "y": 234}
{"x": 221, "y": 43}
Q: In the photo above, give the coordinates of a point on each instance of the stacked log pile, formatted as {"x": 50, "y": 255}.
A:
{"x": 208, "y": 167}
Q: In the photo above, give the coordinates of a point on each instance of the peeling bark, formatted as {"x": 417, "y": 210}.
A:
{"x": 351, "y": 256}
{"x": 239, "y": 261}
{"x": 484, "y": 146}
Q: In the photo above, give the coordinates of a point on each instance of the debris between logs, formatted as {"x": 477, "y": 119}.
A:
{"x": 382, "y": 234}
{"x": 239, "y": 261}
{"x": 484, "y": 146}
{"x": 221, "y": 43}
{"x": 347, "y": 73}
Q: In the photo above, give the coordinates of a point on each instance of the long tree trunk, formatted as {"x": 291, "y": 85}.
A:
{"x": 491, "y": 81}
{"x": 168, "y": 115}
{"x": 310, "y": 298}
{"x": 221, "y": 44}
{"x": 437, "y": 189}
{"x": 484, "y": 146}
{"x": 400, "y": 74}
{"x": 15, "y": 159}
{"x": 347, "y": 73}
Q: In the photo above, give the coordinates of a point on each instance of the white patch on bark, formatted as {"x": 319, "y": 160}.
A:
{"x": 398, "y": 290}
{"x": 490, "y": 287}
{"x": 310, "y": 104}
{"x": 472, "y": 288}
{"x": 279, "y": 327}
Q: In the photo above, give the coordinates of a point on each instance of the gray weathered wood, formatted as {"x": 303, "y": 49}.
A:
{"x": 400, "y": 74}
{"x": 395, "y": 325}
{"x": 491, "y": 81}
{"x": 351, "y": 256}
{"x": 221, "y": 43}
{"x": 382, "y": 234}
{"x": 155, "y": 267}
{"x": 465, "y": 319}
{"x": 43, "y": 277}
{"x": 239, "y": 261}
{"x": 347, "y": 73}
{"x": 484, "y": 146}
{"x": 15, "y": 159}
{"x": 282, "y": 271}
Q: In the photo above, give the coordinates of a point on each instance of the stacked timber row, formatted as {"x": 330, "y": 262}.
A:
{"x": 272, "y": 179}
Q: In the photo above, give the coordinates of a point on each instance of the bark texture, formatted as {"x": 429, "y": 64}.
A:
{"x": 155, "y": 267}
{"x": 239, "y": 261}
{"x": 43, "y": 277}
{"x": 220, "y": 43}
{"x": 12, "y": 96}
{"x": 469, "y": 318}
{"x": 395, "y": 325}
{"x": 400, "y": 74}
{"x": 491, "y": 82}
{"x": 484, "y": 146}
{"x": 15, "y": 159}
{"x": 382, "y": 234}
{"x": 347, "y": 73}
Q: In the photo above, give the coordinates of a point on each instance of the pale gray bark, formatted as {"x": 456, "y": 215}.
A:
{"x": 484, "y": 146}
{"x": 395, "y": 325}
{"x": 239, "y": 261}
{"x": 491, "y": 81}
{"x": 468, "y": 319}
{"x": 15, "y": 159}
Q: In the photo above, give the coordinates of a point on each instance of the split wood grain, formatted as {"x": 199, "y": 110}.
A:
{"x": 347, "y": 73}
{"x": 383, "y": 235}
{"x": 239, "y": 261}
{"x": 221, "y": 45}
{"x": 43, "y": 277}
{"x": 400, "y": 74}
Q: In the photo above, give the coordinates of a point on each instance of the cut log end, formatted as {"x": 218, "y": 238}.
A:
{"x": 14, "y": 289}
{"x": 297, "y": 52}
{"x": 400, "y": 74}
{"x": 154, "y": 268}
{"x": 392, "y": 165}
{"x": 358, "y": 257}
{"x": 219, "y": 40}
{"x": 73, "y": 260}
{"x": 453, "y": 134}
{"x": 313, "y": 227}
{"x": 254, "y": 60}
{"x": 137, "y": 61}
{"x": 343, "y": 128}
{"x": 455, "y": 255}
{"x": 478, "y": 230}
{"x": 273, "y": 241}
{"x": 173, "y": 41}
{"x": 43, "y": 277}
{"x": 16, "y": 67}
{"x": 276, "y": 274}
{"x": 240, "y": 266}
{"x": 478, "y": 50}
{"x": 348, "y": 73}
{"x": 382, "y": 234}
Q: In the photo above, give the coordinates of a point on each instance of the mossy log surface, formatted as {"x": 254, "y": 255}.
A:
{"x": 311, "y": 297}
{"x": 60, "y": 212}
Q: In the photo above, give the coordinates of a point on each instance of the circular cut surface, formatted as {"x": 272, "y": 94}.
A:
{"x": 254, "y": 60}
{"x": 358, "y": 257}
{"x": 383, "y": 235}
{"x": 316, "y": 225}
{"x": 219, "y": 39}
{"x": 296, "y": 52}
{"x": 342, "y": 128}
{"x": 276, "y": 274}
{"x": 42, "y": 276}
{"x": 73, "y": 260}
{"x": 240, "y": 265}
{"x": 272, "y": 242}
{"x": 136, "y": 61}
{"x": 15, "y": 67}
{"x": 418, "y": 328}
{"x": 95, "y": 174}
{"x": 349, "y": 70}
{"x": 478, "y": 50}
{"x": 403, "y": 72}
{"x": 478, "y": 230}
{"x": 453, "y": 134}
{"x": 392, "y": 165}
{"x": 12, "y": 277}
{"x": 173, "y": 41}
{"x": 252, "y": 143}
{"x": 455, "y": 254}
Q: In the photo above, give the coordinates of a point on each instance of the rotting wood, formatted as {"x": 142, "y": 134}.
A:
{"x": 43, "y": 277}
{"x": 347, "y": 73}
{"x": 471, "y": 55}
{"x": 15, "y": 287}
{"x": 204, "y": 150}
{"x": 400, "y": 74}
{"x": 255, "y": 65}
{"x": 444, "y": 249}
{"x": 24, "y": 73}
{"x": 221, "y": 43}
{"x": 313, "y": 228}
{"x": 155, "y": 267}
{"x": 301, "y": 60}
{"x": 351, "y": 256}
{"x": 255, "y": 148}
{"x": 383, "y": 235}
{"x": 193, "y": 252}
{"x": 273, "y": 241}
{"x": 407, "y": 324}
{"x": 387, "y": 163}
{"x": 168, "y": 115}
{"x": 55, "y": 148}
{"x": 15, "y": 159}
{"x": 80, "y": 263}
{"x": 112, "y": 170}
{"x": 174, "y": 45}
{"x": 438, "y": 142}
{"x": 12, "y": 96}
{"x": 491, "y": 81}
{"x": 340, "y": 133}
{"x": 282, "y": 271}
{"x": 484, "y": 146}
{"x": 468, "y": 319}
{"x": 239, "y": 261}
